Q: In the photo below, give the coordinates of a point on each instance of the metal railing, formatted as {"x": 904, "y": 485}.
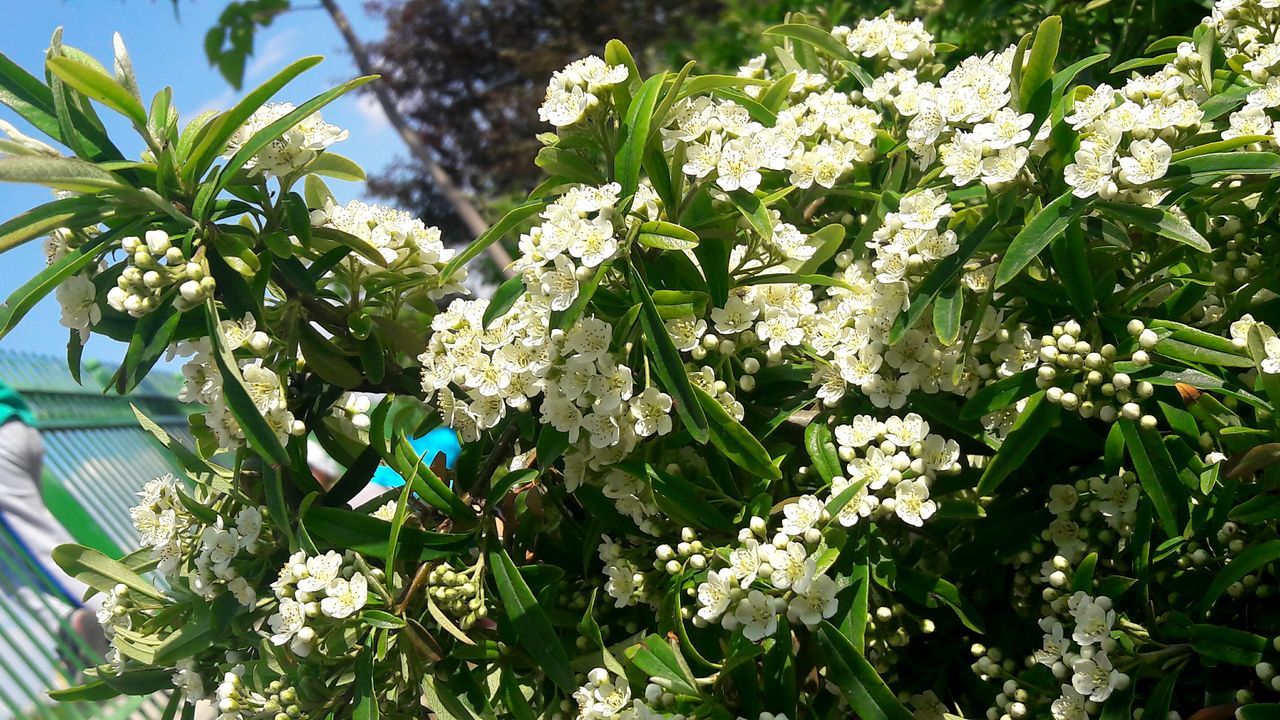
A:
{"x": 96, "y": 459}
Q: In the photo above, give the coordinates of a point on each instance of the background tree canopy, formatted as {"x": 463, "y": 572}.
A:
{"x": 469, "y": 74}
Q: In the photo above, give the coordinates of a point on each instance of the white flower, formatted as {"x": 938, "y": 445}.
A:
{"x": 321, "y": 570}
{"x": 736, "y": 315}
{"x": 1094, "y": 619}
{"x": 1054, "y": 644}
{"x": 289, "y": 618}
{"x": 757, "y": 616}
{"x": 344, "y": 597}
{"x": 1070, "y": 706}
{"x": 263, "y": 386}
{"x": 714, "y": 594}
{"x": 1090, "y": 174}
{"x": 814, "y": 601}
{"x": 738, "y": 166}
{"x": 1148, "y": 161}
{"x": 1094, "y": 677}
{"x": 801, "y": 515}
{"x": 790, "y": 565}
{"x": 1062, "y": 498}
{"x": 652, "y": 412}
{"x": 248, "y": 526}
{"x": 745, "y": 562}
{"x": 80, "y": 312}
{"x": 243, "y": 592}
{"x": 1271, "y": 363}
{"x": 912, "y": 503}
{"x": 290, "y": 152}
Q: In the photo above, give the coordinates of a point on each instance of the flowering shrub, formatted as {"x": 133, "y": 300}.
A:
{"x": 867, "y": 382}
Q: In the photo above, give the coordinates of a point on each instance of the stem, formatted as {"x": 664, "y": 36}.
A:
{"x": 417, "y": 147}
{"x": 505, "y": 443}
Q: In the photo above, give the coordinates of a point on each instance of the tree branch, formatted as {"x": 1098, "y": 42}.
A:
{"x": 444, "y": 182}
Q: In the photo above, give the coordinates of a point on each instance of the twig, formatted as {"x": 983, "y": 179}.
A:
{"x": 505, "y": 443}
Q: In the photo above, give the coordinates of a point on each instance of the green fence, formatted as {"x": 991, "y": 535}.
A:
{"x": 96, "y": 460}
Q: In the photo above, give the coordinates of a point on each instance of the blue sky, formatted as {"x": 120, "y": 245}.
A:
{"x": 169, "y": 50}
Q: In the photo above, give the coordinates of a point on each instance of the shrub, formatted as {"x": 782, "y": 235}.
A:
{"x": 860, "y": 383}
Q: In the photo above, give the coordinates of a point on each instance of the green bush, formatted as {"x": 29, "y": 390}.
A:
{"x": 866, "y": 382}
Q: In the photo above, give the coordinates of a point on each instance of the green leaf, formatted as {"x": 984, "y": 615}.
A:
{"x": 1158, "y": 220}
{"x": 666, "y": 361}
{"x": 59, "y": 173}
{"x": 326, "y": 360}
{"x": 822, "y": 450}
{"x": 1000, "y": 395}
{"x": 98, "y": 85}
{"x": 1033, "y": 423}
{"x": 366, "y": 697}
{"x": 1070, "y": 252}
{"x": 656, "y": 658}
{"x": 532, "y": 626}
{"x": 508, "y": 222}
{"x": 1156, "y": 473}
{"x": 416, "y": 471}
{"x": 931, "y": 591}
{"x": 942, "y": 275}
{"x": 93, "y": 691}
{"x": 99, "y": 571}
{"x": 755, "y": 211}
{"x": 499, "y": 489}
{"x": 1082, "y": 578}
{"x": 734, "y": 441}
{"x": 1227, "y": 644}
{"x": 1251, "y": 560}
{"x": 636, "y": 127}
{"x": 1047, "y": 224}
{"x": 260, "y": 436}
{"x": 680, "y": 499}
{"x": 856, "y": 679}
{"x": 215, "y": 134}
{"x": 815, "y": 36}
{"x": 338, "y": 167}
{"x": 370, "y": 536}
{"x": 503, "y": 298}
{"x": 666, "y": 236}
{"x": 1214, "y": 165}
{"x": 948, "y": 308}
{"x": 829, "y": 238}
{"x": 1161, "y": 697}
{"x": 1063, "y": 77}
{"x": 1036, "y": 88}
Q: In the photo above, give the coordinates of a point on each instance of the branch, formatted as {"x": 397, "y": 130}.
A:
{"x": 446, "y": 184}
{"x": 505, "y": 443}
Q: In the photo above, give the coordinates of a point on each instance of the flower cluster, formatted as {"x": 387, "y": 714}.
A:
{"x": 204, "y": 384}
{"x": 898, "y": 455}
{"x": 290, "y": 152}
{"x": 572, "y": 92}
{"x": 403, "y": 242}
{"x": 767, "y": 577}
{"x": 887, "y": 40}
{"x": 315, "y": 594}
{"x": 155, "y": 265}
{"x": 1128, "y": 134}
{"x": 605, "y": 697}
